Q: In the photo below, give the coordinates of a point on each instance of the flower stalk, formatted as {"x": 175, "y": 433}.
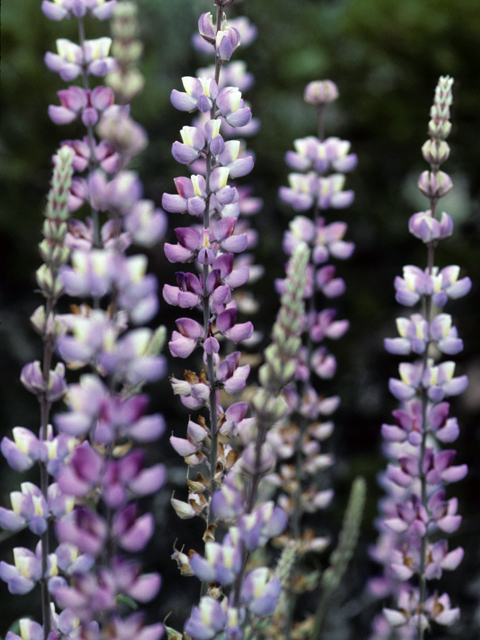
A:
{"x": 416, "y": 506}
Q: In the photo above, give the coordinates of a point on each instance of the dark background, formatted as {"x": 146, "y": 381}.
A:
{"x": 385, "y": 57}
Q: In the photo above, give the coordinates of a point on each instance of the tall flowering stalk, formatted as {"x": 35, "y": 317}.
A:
{"x": 416, "y": 510}
{"x": 98, "y": 472}
{"x": 213, "y": 244}
{"x": 230, "y": 494}
{"x": 316, "y": 186}
{"x": 32, "y": 506}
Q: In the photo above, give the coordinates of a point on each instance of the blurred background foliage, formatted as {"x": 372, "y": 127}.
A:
{"x": 385, "y": 57}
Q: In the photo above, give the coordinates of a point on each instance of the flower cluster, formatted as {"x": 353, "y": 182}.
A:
{"x": 298, "y": 441}
{"x": 214, "y": 244}
{"x": 417, "y": 511}
{"x": 97, "y": 472}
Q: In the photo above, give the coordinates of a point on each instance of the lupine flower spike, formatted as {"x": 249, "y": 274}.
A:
{"x": 33, "y": 506}
{"x": 230, "y": 494}
{"x": 417, "y": 512}
{"x": 316, "y": 185}
{"x": 98, "y": 473}
{"x": 214, "y": 242}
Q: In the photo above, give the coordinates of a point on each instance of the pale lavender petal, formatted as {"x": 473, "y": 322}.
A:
{"x": 145, "y": 588}
{"x": 456, "y": 386}
{"x": 53, "y": 11}
{"x": 235, "y": 244}
{"x": 182, "y": 101}
{"x": 397, "y": 346}
{"x": 174, "y": 203}
{"x": 239, "y": 332}
{"x": 61, "y": 115}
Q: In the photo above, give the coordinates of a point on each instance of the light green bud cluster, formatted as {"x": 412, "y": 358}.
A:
{"x": 280, "y": 355}
{"x": 55, "y": 227}
{"x": 157, "y": 341}
{"x": 439, "y": 126}
{"x": 57, "y": 199}
{"x": 272, "y": 408}
{"x": 285, "y": 563}
{"x": 348, "y": 536}
{"x": 435, "y": 151}
{"x": 126, "y": 81}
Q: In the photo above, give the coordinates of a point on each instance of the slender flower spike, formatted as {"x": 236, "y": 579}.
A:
{"x": 96, "y": 468}
{"x": 416, "y": 505}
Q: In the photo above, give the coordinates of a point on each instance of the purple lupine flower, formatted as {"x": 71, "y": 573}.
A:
{"x": 232, "y": 107}
{"x": 320, "y": 92}
{"x": 427, "y": 228}
{"x": 317, "y": 183}
{"x": 71, "y": 57}
{"x": 76, "y": 101}
{"x": 62, "y": 9}
{"x": 131, "y": 532}
{"x": 28, "y": 629}
{"x": 32, "y": 379}
{"x": 440, "y": 285}
{"x": 440, "y": 610}
{"x": 199, "y": 94}
{"x": 133, "y": 627}
{"x": 104, "y": 153}
{"x": 83, "y": 528}
{"x": 226, "y": 42}
{"x": 260, "y": 592}
{"x": 81, "y": 472}
{"x": 222, "y": 563}
{"x": 29, "y": 507}
{"x": 23, "y": 451}
{"x": 206, "y": 620}
{"x": 212, "y": 244}
{"x": 22, "y": 577}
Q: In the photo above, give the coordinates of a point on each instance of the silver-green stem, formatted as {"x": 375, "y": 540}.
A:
{"x": 207, "y": 314}
{"x": 422, "y": 580}
{"x": 91, "y": 142}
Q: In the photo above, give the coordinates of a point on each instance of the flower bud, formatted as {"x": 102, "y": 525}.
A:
{"x": 426, "y": 228}
{"x": 439, "y": 128}
{"x": 435, "y": 151}
{"x": 53, "y": 230}
{"x": 53, "y": 254}
{"x": 206, "y": 28}
{"x": 435, "y": 185}
{"x": 320, "y": 92}
{"x": 157, "y": 341}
